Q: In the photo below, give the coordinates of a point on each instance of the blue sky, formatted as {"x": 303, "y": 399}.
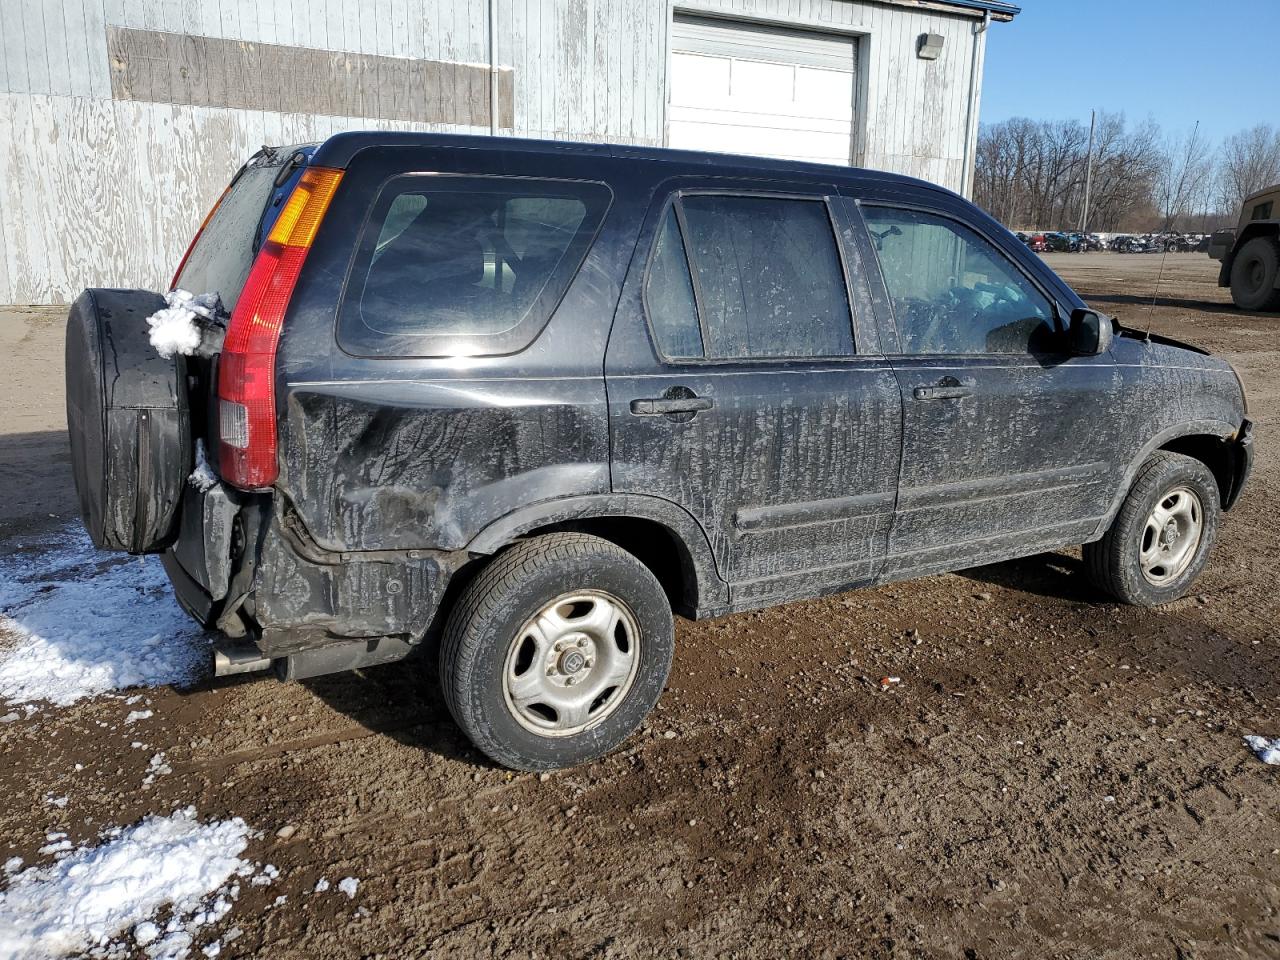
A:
{"x": 1176, "y": 60}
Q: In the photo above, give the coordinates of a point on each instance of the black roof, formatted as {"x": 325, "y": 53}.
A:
{"x": 339, "y": 149}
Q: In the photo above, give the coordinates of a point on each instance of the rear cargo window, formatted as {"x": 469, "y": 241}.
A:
{"x": 465, "y": 266}
{"x": 221, "y": 258}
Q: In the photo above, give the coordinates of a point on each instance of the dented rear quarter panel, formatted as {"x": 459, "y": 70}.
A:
{"x": 393, "y": 453}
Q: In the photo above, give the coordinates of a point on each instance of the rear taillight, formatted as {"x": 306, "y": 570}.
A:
{"x": 196, "y": 239}
{"x": 247, "y": 366}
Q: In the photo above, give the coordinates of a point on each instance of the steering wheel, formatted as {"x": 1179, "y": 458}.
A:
{"x": 959, "y": 308}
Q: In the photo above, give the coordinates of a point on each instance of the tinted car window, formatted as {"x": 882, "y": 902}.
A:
{"x": 669, "y": 294}
{"x": 221, "y": 258}
{"x": 465, "y": 266}
{"x": 954, "y": 292}
{"x": 769, "y": 279}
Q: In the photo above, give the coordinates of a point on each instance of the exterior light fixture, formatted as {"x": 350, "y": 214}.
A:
{"x": 929, "y": 46}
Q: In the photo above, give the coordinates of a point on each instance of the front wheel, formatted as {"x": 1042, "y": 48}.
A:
{"x": 1162, "y": 535}
{"x": 557, "y": 650}
{"x": 1253, "y": 275}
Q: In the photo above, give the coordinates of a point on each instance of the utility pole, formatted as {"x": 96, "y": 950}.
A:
{"x": 493, "y": 68}
{"x": 1088, "y": 173}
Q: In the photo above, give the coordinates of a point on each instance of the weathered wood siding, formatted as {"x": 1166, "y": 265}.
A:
{"x": 103, "y": 185}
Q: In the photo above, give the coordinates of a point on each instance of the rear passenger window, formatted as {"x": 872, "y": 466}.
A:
{"x": 739, "y": 277}
{"x": 465, "y": 266}
{"x": 669, "y": 290}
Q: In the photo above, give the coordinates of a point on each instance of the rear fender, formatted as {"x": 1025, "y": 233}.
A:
{"x": 709, "y": 592}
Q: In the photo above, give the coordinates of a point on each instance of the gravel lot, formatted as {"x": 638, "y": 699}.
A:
{"x": 1055, "y": 775}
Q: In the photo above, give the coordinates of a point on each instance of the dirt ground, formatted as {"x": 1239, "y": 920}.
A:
{"x": 1055, "y": 775}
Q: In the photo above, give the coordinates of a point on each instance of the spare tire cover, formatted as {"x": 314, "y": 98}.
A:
{"x": 128, "y": 420}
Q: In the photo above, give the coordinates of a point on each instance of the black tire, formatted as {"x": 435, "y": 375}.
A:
{"x": 127, "y": 420}
{"x": 482, "y": 631}
{"x": 1113, "y": 563}
{"x": 1253, "y": 275}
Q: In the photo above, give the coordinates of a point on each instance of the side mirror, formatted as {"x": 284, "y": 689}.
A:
{"x": 1090, "y": 333}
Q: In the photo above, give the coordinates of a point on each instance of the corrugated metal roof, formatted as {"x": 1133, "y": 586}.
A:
{"x": 995, "y": 6}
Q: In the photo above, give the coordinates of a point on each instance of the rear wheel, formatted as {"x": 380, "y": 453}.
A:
{"x": 556, "y": 651}
{"x": 1161, "y": 538}
{"x": 1253, "y": 275}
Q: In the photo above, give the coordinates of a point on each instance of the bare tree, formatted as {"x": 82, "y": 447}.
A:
{"x": 1031, "y": 173}
{"x": 1250, "y": 160}
{"x": 1125, "y": 168}
{"x": 1187, "y": 165}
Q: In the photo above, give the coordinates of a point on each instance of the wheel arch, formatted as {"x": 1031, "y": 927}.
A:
{"x": 660, "y": 534}
{"x": 1208, "y": 441}
{"x": 1257, "y": 228}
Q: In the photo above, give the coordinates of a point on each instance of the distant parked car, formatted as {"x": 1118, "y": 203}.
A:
{"x": 1064, "y": 242}
{"x": 1131, "y": 244}
{"x": 1038, "y": 243}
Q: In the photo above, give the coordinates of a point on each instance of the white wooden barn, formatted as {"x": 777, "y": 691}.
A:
{"x": 122, "y": 120}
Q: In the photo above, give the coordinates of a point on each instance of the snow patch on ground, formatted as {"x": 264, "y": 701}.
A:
{"x": 156, "y": 768}
{"x": 76, "y": 622}
{"x": 176, "y": 328}
{"x": 202, "y": 477}
{"x": 1268, "y": 751}
{"x": 92, "y": 896}
{"x": 267, "y": 877}
{"x": 348, "y": 886}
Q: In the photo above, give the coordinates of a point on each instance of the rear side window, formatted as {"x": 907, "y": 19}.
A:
{"x": 1263, "y": 211}
{"x": 669, "y": 290}
{"x": 221, "y": 258}
{"x": 748, "y": 277}
{"x": 455, "y": 266}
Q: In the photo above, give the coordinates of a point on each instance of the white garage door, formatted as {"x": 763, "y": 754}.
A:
{"x": 746, "y": 88}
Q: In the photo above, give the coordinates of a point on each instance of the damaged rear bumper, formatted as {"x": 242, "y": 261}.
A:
{"x": 244, "y": 565}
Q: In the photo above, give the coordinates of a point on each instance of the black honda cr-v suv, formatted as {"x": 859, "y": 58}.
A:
{"x": 525, "y": 399}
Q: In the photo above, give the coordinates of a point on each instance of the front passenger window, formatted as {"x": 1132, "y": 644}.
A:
{"x": 953, "y": 292}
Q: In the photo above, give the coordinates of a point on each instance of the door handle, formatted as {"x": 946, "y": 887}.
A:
{"x": 942, "y": 393}
{"x": 662, "y": 406}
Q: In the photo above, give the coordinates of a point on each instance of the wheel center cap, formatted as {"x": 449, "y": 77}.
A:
{"x": 1171, "y": 533}
{"x": 572, "y": 661}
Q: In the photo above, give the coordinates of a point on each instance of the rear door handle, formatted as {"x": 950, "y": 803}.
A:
{"x": 942, "y": 393}
{"x": 662, "y": 406}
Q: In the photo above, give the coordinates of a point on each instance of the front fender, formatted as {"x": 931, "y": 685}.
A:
{"x": 1221, "y": 429}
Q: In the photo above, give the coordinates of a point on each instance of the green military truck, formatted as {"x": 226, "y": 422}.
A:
{"x": 1250, "y": 253}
